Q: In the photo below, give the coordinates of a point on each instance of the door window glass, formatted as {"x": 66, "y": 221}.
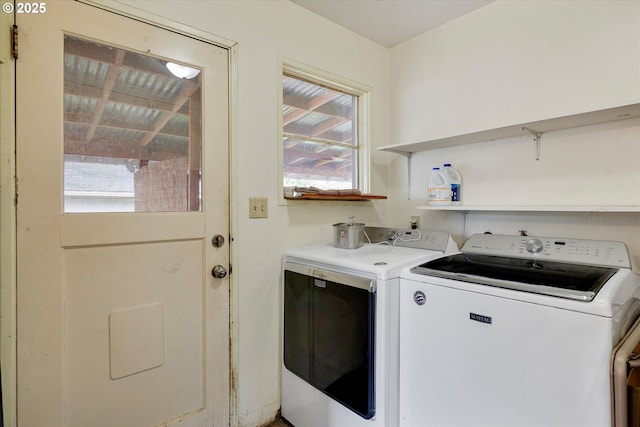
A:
{"x": 132, "y": 131}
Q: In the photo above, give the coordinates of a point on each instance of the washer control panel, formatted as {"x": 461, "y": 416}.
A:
{"x": 578, "y": 251}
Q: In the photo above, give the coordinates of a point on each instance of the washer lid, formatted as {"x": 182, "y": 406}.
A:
{"x": 565, "y": 280}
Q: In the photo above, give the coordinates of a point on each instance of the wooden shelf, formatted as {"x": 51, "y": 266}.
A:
{"x": 586, "y": 208}
{"x": 535, "y": 128}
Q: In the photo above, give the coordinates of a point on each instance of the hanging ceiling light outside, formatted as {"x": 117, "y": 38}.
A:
{"x": 182, "y": 71}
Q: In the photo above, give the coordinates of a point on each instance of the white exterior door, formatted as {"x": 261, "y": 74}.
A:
{"x": 123, "y": 184}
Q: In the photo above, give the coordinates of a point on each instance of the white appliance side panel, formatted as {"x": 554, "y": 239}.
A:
{"x": 531, "y": 366}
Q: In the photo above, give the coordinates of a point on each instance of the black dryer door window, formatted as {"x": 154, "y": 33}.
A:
{"x": 329, "y": 339}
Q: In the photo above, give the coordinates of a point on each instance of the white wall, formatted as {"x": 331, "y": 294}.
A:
{"x": 513, "y": 62}
{"x": 264, "y": 30}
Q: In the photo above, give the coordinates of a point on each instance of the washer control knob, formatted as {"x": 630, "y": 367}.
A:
{"x": 534, "y": 245}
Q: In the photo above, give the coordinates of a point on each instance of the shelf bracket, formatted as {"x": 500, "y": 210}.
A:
{"x": 408, "y": 157}
{"x": 536, "y": 140}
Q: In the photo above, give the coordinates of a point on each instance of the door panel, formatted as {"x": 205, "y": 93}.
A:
{"x": 120, "y": 321}
{"x": 106, "y": 308}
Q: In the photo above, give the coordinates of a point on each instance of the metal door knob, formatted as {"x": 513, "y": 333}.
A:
{"x": 219, "y": 272}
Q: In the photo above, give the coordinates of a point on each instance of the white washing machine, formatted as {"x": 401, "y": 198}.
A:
{"x": 340, "y": 327}
{"x": 514, "y": 331}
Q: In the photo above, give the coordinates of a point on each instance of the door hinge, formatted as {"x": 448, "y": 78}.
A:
{"x": 14, "y": 41}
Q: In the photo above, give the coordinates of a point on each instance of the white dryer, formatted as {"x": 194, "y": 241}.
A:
{"x": 340, "y": 327}
{"x": 514, "y": 331}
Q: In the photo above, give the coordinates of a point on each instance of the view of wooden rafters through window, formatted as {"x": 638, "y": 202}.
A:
{"x": 319, "y": 138}
{"x": 125, "y": 110}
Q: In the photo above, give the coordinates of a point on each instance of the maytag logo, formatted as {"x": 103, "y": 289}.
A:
{"x": 480, "y": 318}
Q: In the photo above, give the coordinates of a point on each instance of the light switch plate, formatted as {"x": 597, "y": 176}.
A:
{"x": 258, "y": 207}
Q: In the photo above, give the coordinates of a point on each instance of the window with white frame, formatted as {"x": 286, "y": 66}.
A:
{"x": 323, "y": 140}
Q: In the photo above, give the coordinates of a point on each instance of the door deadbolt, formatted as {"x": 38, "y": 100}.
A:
{"x": 219, "y": 272}
{"x": 217, "y": 241}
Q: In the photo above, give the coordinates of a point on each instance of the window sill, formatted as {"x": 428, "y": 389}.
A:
{"x": 325, "y": 197}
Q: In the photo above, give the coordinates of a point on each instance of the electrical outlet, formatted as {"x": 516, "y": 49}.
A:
{"x": 414, "y": 222}
{"x": 258, "y": 207}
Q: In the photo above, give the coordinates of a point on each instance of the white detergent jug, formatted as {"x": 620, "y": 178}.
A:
{"x": 439, "y": 189}
{"x": 454, "y": 179}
